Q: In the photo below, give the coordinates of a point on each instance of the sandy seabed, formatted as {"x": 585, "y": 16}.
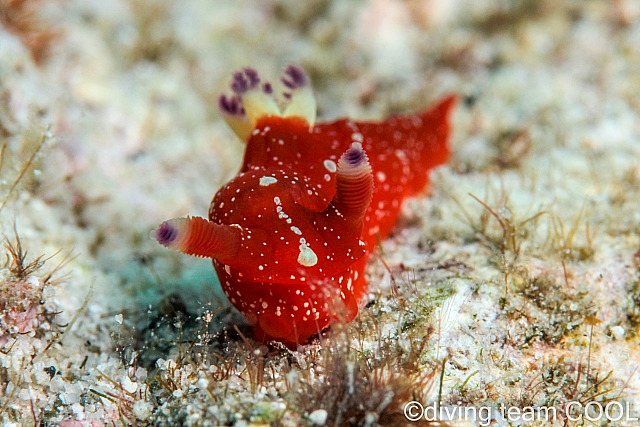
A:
{"x": 515, "y": 281}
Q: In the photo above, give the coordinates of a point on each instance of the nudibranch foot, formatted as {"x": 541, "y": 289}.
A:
{"x": 306, "y": 312}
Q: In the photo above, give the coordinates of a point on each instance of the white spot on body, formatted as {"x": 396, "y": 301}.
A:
{"x": 330, "y": 165}
{"x": 296, "y": 230}
{"x": 267, "y": 180}
{"x": 307, "y": 257}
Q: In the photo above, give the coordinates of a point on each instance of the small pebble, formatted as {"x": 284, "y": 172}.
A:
{"x": 618, "y": 332}
{"x": 318, "y": 417}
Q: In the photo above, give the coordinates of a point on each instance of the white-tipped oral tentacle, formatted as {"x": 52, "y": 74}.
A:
{"x": 302, "y": 101}
{"x": 256, "y": 100}
{"x": 253, "y": 99}
{"x": 233, "y": 113}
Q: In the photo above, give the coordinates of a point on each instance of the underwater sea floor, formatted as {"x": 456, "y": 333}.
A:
{"x": 510, "y": 290}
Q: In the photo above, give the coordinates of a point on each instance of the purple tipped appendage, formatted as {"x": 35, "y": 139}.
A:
{"x": 252, "y": 75}
{"x": 244, "y": 80}
{"x": 232, "y": 105}
{"x": 166, "y": 234}
{"x": 239, "y": 83}
{"x": 296, "y": 77}
{"x": 355, "y": 155}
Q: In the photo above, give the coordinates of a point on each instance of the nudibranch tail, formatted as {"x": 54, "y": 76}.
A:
{"x": 252, "y": 100}
{"x": 354, "y": 183}
{"x": 438, "y": 119}
{"x": 200, "y": 237}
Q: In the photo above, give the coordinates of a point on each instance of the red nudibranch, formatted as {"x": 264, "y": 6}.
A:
{"x": 290, "y": 235}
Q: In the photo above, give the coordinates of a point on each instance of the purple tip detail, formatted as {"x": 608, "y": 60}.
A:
{"x": 166, "y": 234}
{"x": 252, "y": 75}
{"x": 287, "y": 95}
{"x": 244, "y": 80}
{"x": 355, "y": 155}
{"x": 239, "y": 83}
{"x": 232, "y": 106}
{"x": 267, "y": 88}
{"x": 295, "y": 77}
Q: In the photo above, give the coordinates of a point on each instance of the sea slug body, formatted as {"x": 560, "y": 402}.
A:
{"x": 290, "y": 235}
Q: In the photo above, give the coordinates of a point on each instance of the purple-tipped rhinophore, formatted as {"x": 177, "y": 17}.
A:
{"x": 355, "y": 155}
{"x": 267, "y": 88}
{"x": 232, "y": 105}
{"x": 296, "y": 77}
{"x": 166, "y": 234}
